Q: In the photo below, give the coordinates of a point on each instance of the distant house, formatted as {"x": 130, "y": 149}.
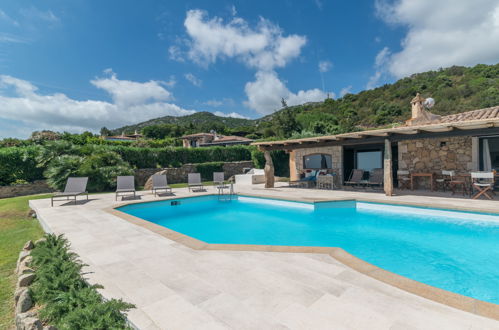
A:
{"x": 212, "y": 139}
{"x": 123, "y": 137}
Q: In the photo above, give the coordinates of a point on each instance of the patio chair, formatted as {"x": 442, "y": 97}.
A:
{"x": 355, "y": 179}
{"x": 444, "y": 180}
{"x": 194, "y": 182}
{"x": 159, "y": 182}
{"x": 482, "y": 184}
{"x": 125, "y": 185}
{"x": 404, "y": 180}
{"x": 376, "y": 178}
{"x": 74, "y": 186}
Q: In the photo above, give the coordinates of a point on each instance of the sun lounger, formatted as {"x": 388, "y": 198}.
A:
{"x": 159, "y": 182}
{"x": 376, "y": 178}
{"x": 355, "y": 178}
{"x": 74, "y": 187}
{"x": 219, "y": 180}
{"x": 194, "y": 182}
{"x": 125, "y": 185}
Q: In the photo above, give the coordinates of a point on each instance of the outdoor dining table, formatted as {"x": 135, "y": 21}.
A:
{"x": 421, "y": 174}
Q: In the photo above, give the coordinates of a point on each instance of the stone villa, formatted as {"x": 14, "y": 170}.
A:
{"x": 463, "y": 142}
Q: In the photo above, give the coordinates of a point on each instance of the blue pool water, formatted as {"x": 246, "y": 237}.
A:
{"x": 455, "y": 251}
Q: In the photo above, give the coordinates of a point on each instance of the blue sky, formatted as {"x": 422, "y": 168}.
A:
{"x": 80, "y": 65}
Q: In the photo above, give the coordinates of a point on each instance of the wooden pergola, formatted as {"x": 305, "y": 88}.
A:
{"x": 380, "y": 136}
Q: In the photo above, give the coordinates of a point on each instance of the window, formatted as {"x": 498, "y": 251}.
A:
{"x": 369, "y": 160}
{"x": 317, "y": 161}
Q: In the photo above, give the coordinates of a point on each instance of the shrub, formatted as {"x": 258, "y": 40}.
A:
{"x": 19, "y": 164}
{"x": 101, "y": 168}
{"x": 61, "y": 168}
{"x": 67, "y": 301}
{"x": 207, "y": 169}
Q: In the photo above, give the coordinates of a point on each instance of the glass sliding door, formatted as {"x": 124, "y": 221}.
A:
{"x": 369, "y": 160}
{"x": 489, "y": 153}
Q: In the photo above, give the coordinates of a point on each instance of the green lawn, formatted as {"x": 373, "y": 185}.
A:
{"x": 15, "y": 229}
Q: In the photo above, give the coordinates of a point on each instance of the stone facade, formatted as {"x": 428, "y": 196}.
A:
{"x": 179, "y": 174}
{"x": 37, "y": 187}
{"x": 296, "y": 160}
{"x": 436, "y": 154}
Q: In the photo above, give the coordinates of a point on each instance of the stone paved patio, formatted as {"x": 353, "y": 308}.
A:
{"x": 175, "y": 287}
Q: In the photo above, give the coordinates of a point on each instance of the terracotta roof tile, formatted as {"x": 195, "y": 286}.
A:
{"x": 480, "y": 114}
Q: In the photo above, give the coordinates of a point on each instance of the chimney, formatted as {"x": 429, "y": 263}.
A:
{"x": 419, "y": 116}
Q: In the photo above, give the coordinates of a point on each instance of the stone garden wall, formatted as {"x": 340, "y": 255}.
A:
{"x": 179, "y": 174}
{"x": 37, "y": 187}
{"x": 436, "y": 154}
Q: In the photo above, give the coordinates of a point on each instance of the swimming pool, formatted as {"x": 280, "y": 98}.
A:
{"x": 452, "y": 250}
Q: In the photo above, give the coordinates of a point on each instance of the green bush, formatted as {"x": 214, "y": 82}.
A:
{"x": 207, "y": 169}
{"x": 19, "y": 164}
{"x": 101, "y": 168}
{"x": 67, "y": 301}
{"x": 61, "y": 168}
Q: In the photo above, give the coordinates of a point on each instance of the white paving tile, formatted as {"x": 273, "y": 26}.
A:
{"x": 176, "y": 287}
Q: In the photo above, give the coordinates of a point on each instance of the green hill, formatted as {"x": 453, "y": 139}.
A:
{"x": 198, "y": 119}
{"x": 455, "y": 89}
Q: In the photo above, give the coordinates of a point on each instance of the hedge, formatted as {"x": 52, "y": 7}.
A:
{"x": 18, "y": 164}
{"x": 207, "y": 169}
{"x": 176, "y": 156}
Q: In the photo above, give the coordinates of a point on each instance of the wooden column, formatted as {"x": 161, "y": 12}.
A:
{"x": 388, "y": 175}
{"x": 269, "y": 170}
{"x": 293, "y": 172}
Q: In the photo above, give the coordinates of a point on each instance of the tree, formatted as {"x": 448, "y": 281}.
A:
{"x": 284, "y": 103}
{"x": 104, "y": 131}
{"x": 286, "y": 123}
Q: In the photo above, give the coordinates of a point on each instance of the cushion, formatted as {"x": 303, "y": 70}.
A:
{"x": 309, "y": 174}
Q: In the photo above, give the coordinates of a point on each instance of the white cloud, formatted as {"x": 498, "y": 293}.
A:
{"x": 233, "y": 10}
{"x": 265, "y": 93}
{"x": 175, "y": 53}
{"x": 325, "y": 66}
{"x": 442, "y": 33}
{"x": 132, "y": 102}
{"x": 9, "y": 38}
{"x": 193, "y": 79}
{"x": 126, "y": 92}
{"x": 263, "y": 47}
{"x": 217, "y": 103}
{"x": 43, "y": 15}
{"x": 346, "y": 90}
{"x": 380, "y": 62}
{"x": 6, "y": 18}
{"x": 231, "y": 115}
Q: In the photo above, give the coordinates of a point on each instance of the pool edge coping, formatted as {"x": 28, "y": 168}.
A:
{"x": 452, "y": 299}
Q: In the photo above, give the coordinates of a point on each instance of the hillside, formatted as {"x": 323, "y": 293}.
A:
{"x": 455, "y": 89}
{"x": 196, "y": 119}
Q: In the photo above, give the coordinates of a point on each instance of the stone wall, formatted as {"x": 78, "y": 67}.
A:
{"x": 336, "y": 152}
{"x": 37, "y": 187}
{"x": 179, "y": 174}
{"x": 436, "y": 154}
